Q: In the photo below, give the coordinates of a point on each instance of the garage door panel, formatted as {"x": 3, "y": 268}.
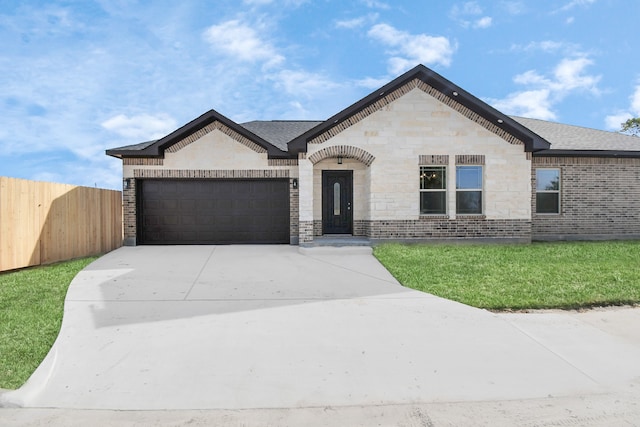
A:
{"x": 213, "y": 211}
{"x": 168, "y": 206}
{"x": 187, "y": 205}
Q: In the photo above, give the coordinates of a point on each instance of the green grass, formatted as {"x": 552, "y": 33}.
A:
{"x": 31, "y": 305}
{"x": 517, "y": 277}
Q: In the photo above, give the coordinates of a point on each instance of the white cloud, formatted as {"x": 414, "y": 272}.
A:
{"x": 351, "y": 23}
{"x": 544, "y": 92}
{"x": 534, "y": 104}
{"x": 615, "y": 120}
{"x": 372, "y": 83}
{"x": 466, "y": 14}
{"x": 303, "y": 83}
{"x": 514, "y": 7}
{"x": 569, "y": 75}
{"x": 531, "y": 77}
{"x": 356, "y": 22}
{"x": 468, "y": 8}
{"x": 635, "y": 101}
{"x": 242, "y": 42}
{"x": 484, "y": 22}
{"x": 574, "y": 3}
{"x": 140, "y": 127}
{"x": 547, "y": 46}
{"x": 408, "y": 50}
{"x": 376, "y": 4}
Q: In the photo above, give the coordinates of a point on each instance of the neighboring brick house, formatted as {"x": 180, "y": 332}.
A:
{"x": 418, "y": 159}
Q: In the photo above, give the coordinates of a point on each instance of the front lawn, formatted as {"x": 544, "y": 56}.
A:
{"x": 565, "y": 275}
{"x": 31, "y": 305}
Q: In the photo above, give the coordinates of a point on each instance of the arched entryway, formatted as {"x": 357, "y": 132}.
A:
{"x": 341, "y": 176}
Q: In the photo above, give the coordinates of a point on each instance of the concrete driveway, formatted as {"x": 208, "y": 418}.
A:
{"x": 235, "y": 327}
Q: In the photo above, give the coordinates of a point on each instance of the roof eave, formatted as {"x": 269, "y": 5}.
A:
{"x": 114, "y": 153}
{"x": 587, "y": 153}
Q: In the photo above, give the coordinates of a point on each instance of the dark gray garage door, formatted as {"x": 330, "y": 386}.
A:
{"x": 213, "y": 211}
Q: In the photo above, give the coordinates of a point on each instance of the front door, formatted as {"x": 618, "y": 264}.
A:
{"x": 337, "y": 200}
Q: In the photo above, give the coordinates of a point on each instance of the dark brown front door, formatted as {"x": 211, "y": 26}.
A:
{"x": 337, "y": 201}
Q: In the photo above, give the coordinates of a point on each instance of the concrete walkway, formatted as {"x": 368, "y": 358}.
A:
{"x": 252, "y": 327}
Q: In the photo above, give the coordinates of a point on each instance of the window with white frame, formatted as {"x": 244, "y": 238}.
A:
{"x": 548, "y": 191}
{"x": 433, "y": 190}
{"x": 469, "y": 190}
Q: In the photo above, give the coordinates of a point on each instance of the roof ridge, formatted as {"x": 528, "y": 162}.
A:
{"x": 282, "y": 120}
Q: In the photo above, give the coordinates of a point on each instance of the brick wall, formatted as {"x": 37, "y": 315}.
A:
{"x": 317, "y": 227}
{"x": 294, "y": 212}
{"x": 472, "y": 227}
{"x": 306, "y": 232}
{"x": 360, "y": 227}
{"x": 129, "y": 213}
{"x": 599, "y": 199}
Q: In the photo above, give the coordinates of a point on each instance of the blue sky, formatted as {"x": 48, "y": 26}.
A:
{"x": 79, "y": 77}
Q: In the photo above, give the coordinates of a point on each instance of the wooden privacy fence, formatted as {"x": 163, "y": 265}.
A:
{"x": 42, "y": 222}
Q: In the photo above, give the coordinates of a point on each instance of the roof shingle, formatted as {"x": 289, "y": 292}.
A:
{"x": 569, "y": 137}
{"x": 279, "y": 132}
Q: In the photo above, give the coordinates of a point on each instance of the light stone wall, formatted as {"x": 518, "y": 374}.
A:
{"x": 213, "y": 151}
{"x": 418, "y": 124}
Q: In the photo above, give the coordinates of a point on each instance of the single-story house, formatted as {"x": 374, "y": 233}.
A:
{"x": 418, "y": 159}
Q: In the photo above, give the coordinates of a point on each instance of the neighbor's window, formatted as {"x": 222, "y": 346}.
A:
{"x": 469, "y": 190}
{"x": 548, "y": 191}
{"x": 433, "y": 190}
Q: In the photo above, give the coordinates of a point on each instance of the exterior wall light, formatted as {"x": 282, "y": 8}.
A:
{"x": 339, "y": 160}
{"x": 294, "y": 183}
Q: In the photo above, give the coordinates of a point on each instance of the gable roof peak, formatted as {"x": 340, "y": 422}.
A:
{"x": 157, "y": 148}
{"x": 438, "y": 87}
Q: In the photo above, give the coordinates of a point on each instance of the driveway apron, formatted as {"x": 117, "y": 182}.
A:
{"x": 209, "y": 327}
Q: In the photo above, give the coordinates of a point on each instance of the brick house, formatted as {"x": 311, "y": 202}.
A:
{"x": 418, "y": 159}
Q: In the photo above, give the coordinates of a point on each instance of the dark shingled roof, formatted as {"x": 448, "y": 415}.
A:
{"x": 561, "y": 136}
{"x": 279, "y": 132}
{"x": 139, "y": 146}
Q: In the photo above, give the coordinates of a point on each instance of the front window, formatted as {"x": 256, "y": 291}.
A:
{"x": 548, "y": 191}
{"x": 433, "y": 190}
{"x": 469, "y": 190}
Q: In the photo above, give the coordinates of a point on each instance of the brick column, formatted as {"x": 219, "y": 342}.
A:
{"x": 129, "y": 212}
{"x": 294, "y": 214}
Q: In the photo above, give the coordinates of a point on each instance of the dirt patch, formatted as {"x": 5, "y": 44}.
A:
{"x": 603, "y": 309}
